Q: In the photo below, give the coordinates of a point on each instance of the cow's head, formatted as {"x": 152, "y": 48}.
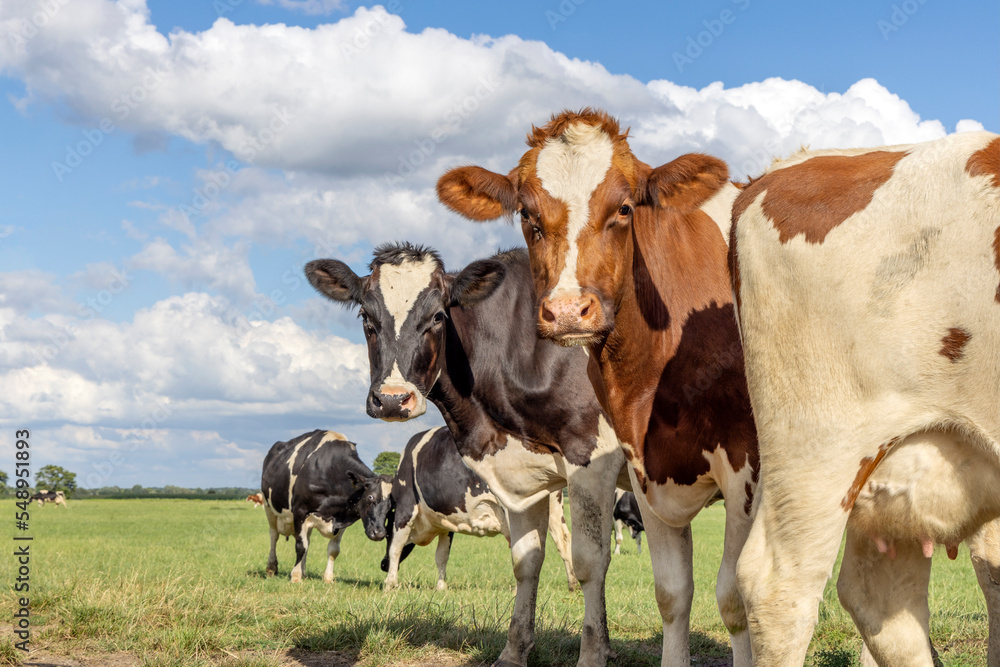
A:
{"x": 579, "y": 192}
{"x": 404, "y": 305}
{"x": 375, "y": 503}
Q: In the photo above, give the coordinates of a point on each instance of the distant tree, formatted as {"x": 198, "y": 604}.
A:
{"x": 55, "y": 478}
{"x": 386, "y": 463}
{"x": 3, "y": 482}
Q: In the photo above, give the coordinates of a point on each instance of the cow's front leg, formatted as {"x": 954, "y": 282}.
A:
{"x": 591, "y": 498}
{"x": 671, "y": 552}
{"x": 441, "y": 558}
{"x": 301, "y": 549}
{"x": 332, "y": 551}
{"x": 985, "y": 551}
{"x": 272, "y": 558}
{"x": 887, "y": 598}
{"x": 527, "y": 550}
{"x": 618, "y": 536}
{"x": 396, "y": 544}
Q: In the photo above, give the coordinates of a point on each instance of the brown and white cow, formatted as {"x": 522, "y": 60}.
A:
{"x": 868, "y": 284}
{"x": 630, "y": 261}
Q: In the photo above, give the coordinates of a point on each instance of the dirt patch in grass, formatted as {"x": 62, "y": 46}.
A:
{"x": 43, "y": 658}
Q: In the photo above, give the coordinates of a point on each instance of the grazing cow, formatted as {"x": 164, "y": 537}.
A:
{"x": 45, "y": 496}
{"x": 868, "y": 284}
{"x": 257, "y": 499}
{"x": 630, "y": 261}
{"x": 316, "y": 480}
{"x": 435, "y": 495}
{"x": 627, "y": 514}
{"x": 522, "y": 411}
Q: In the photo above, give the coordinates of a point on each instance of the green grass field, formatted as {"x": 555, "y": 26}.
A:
{"x": 181, "y": 582}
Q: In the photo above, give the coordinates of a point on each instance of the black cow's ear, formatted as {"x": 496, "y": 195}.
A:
{"x": 356, "y": 480}
{"x": 476, "y": 282}
{"x": 335, "y": 280}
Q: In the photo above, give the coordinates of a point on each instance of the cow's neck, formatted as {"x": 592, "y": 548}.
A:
{"x": 678, "y": 270}
{"x": 458, "y": 398}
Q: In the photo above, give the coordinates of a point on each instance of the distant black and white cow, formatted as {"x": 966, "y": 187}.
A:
{"x": 43, "y": 496}
{"x": 522, "y": 411}
{"x": 435, "y": 495}
{"x": 316, "y": 480}
{"x": 627, "y": 514}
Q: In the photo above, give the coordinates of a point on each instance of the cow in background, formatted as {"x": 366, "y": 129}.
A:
{"x": 435, "y": 495}
{"x": 627, "y": 514}
{"x": 256, "y": 498}
{"x": 868, "y": 285}
{"x": 316, "y": 480}
{"x": 43, "y": 496}
{"x": 520, "y": 409}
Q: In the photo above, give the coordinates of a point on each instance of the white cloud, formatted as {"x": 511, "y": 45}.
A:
{"x": 192, "y": 355}
{"x": 363, "y": 96}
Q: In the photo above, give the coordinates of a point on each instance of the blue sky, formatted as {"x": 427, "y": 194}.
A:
{"x": 169, "y": 171}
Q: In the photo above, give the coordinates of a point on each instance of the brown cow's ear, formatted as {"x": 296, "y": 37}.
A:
{"x": 477, "y": 193}
{"x": 335, "y": 280}
{"x": 687, "y": 182}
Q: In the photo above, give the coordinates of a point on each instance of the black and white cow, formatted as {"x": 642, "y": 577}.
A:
{"x": 435, "y": 495}
{"x": 521, "y": 410}
{"x": 43, "y": 496}
{"x": 316, "y": 480}
{"x": 627, "y": 514}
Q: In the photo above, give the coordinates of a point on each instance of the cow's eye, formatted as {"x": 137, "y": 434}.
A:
{"x": 624, "y": 210}
{"x": 525, "y": 217}
{"x": 438, "y": 317}
{"x": 372, "y": 498}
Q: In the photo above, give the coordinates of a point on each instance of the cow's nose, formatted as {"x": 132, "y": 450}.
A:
{"x": 570, "y": 312}
{"x": 391, "y": 401}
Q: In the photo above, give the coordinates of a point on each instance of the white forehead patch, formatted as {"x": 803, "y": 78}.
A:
{"x": 400, "y": 286}
{"x": 570, "y": 168}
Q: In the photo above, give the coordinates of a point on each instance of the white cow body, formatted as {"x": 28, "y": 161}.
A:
{"x": 870, "y": 315}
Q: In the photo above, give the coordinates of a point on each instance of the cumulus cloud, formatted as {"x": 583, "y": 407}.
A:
{"x": 192, "y": 355}
{"x": 363, "y": 96}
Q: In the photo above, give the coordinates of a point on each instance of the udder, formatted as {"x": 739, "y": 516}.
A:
{"x": 932, "y": 488}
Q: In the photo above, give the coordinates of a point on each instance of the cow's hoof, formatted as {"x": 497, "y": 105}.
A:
{"x": 296, "y": 578}
{"x": 389, "y": 585}
{"x": 441, "y": 586}
{"x": 270, "y": 573}
{"x": 574, "y": 586}
{"x": 327, "y": 580}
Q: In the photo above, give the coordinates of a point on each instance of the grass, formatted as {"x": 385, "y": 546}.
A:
{"x": 181, "y": 582}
